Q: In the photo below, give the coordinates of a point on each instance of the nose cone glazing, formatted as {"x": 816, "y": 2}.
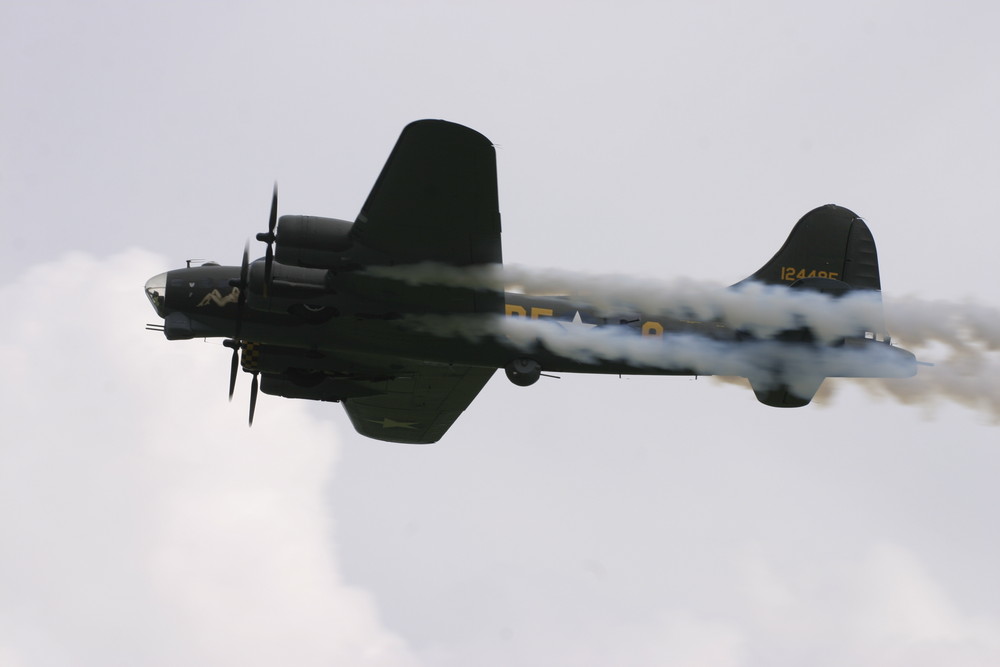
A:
{"x": 156, "y": 292}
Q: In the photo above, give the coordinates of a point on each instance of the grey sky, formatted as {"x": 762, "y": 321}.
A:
{"x": 587, "y": 520}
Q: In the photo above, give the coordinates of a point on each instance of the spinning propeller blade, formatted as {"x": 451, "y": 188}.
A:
{"x": 234, "y": 342}
{"x": 253, "y": 397}
{"x": 268, "y": 237}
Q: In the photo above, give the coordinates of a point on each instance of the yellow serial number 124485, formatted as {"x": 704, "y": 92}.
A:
{"x": 791, "y": 274}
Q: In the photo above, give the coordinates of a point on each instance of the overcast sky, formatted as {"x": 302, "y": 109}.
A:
{"x": 582, "y": 521}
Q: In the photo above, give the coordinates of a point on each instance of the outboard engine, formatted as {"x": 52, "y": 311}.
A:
{"x": 313, "y": 242}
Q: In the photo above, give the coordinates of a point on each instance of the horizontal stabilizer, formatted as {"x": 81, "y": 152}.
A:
{"x": 786, "y": 395}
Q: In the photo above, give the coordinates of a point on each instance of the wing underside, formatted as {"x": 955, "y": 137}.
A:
{"x": 418, "y": 408}
{"x": 434, "y": 201}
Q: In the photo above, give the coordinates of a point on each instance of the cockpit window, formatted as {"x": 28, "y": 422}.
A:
{"x": 156, "y": 290}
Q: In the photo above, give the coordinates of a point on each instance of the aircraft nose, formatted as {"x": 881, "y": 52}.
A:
{"x": 156, "y": 292}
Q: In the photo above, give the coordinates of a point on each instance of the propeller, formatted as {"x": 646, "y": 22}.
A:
{"x": 253, "y": 397}
{"x": 268, "y": 238}
{"x": 235, "y": 365}
{"x": 234, "y": 343}
{"x": 243, "y": 286}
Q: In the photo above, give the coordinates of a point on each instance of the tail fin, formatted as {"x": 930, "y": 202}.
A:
{"x": 831, "y": 250}
{"x": 828, "y": 242}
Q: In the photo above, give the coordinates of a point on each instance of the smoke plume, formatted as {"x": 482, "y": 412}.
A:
{"x": 958, "y": 343}
{"x": 962, "y": 340}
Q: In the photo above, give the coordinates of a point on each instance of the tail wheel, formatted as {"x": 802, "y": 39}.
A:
{"x": 523, "y": 372}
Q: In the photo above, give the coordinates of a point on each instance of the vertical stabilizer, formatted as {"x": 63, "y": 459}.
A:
{"x": 828, "y": 242}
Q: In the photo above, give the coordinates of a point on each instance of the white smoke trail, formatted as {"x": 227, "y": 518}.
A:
{"x": 960, "y": 326}
{"x": 762, "y": 310}
{"x": 962, "y": 340}
{"x": 591, "y": 346}
{"x": 766, "y": 363}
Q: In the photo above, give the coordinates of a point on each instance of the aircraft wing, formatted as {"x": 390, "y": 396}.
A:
{"x": 435, "y": 200}
{"x": 417, "y": 408}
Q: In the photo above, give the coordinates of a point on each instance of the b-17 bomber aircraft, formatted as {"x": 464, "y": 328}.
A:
{"x": 331, "y": 313}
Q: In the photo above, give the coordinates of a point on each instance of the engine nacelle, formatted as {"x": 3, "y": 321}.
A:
{"x": 311, "y": 241}
{"x": 290, "y": 287}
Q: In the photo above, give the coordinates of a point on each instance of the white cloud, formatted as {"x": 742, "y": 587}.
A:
{"x": 880, "y": 607}
{"x": 679, "y": 639}
{"x": 907, "y": 618}
{"x": 143, "y": 523}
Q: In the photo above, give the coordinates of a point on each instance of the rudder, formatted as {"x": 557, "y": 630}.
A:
{"x": 828, "y": 242}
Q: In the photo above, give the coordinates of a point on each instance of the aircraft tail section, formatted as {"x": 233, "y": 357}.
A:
{"x": 829, "y": 242}
{"x": 829, "y": 250}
